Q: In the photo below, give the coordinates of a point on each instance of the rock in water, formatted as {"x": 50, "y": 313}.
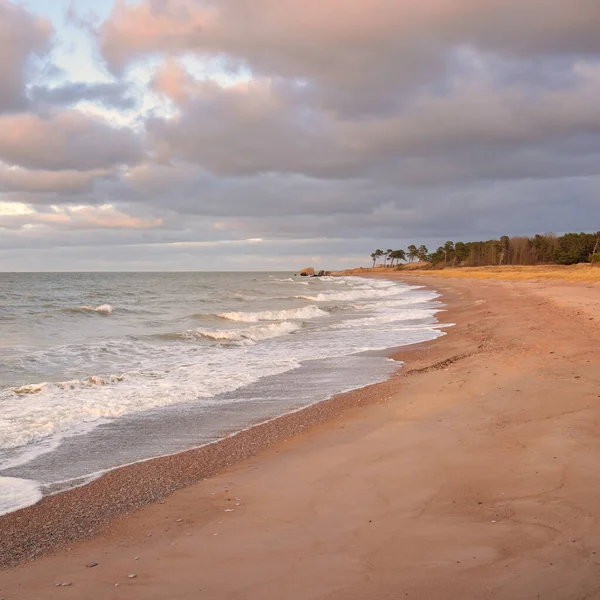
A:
{"x": 308, "y": 272}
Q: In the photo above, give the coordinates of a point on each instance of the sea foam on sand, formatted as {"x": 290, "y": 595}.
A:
{"x": 18, "y": 493}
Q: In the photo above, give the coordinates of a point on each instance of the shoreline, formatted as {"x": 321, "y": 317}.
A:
{"x": 84, "y": 511}
{"x": 472, "y": 473}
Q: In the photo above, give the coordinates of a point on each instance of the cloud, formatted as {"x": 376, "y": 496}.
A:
{"x": 251, "y": 127}
{"x": 67, "y": 140}
{"x": 17, "y": 179}
{"x": 264, "y": 126}
{"x": 22, "y": 36}
{"x": 77, "y": 218}
{"x": 360, "y": 57}
{"x": 119, "y": 96}
{"x": 347, "y": 125}
{"x": 173, "y": 81}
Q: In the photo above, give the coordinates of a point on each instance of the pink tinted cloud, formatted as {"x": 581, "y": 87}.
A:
{"x": 316, "y": 37}
{"x": 149, "y": 26}
{"x": 67, "y": 140}
{"x": 80, "y": 218}
{"x": 17, "y": 179}
{"x": 173, "y": 81}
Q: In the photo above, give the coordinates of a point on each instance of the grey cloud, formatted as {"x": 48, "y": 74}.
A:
{"x": 426, "y": 192}
{"x": 185, "y": 190}
{"x": 384, "y": 217}
{"x": 358, "y": 55}
{"x": 22, "y": 35}
{"x": 356, "y": 90}
{"x": 465, "y": 212}
{"x": 118, "y": 95}
{"x": 259, "y": 127}
{"x": 263, "y": 128}
{"x": 553, "y": 163}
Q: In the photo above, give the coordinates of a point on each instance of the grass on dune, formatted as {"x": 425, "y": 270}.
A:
{"x": 575, "y": 273}
{"x": 581, "y": 273}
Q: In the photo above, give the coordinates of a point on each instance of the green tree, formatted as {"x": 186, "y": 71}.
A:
{"x": 376, "y": 256}
{"x": 397, "y": 255}
{"x": 422, "y": 252}
{"x": 413, "y": 252}
{"x": 575, "y": 248}
{"x": 461, "y": 251}
{"x": 448, "y": 249}
{"x": 438, "y": 256}
{"x": 387, "y": 254}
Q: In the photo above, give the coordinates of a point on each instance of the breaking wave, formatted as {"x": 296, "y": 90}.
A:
{"x": 103, "y": 309}
{"x": 419, "y": 315}
{"x": 356, "y": 294}
{"x": 37, "y": 412}
{"x": 36, "y": 388}
{"x": 306, "y": 312}
{"x": 250, "y": 335}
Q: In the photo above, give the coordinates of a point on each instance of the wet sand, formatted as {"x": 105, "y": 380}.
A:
{"x": 472, "y": 474}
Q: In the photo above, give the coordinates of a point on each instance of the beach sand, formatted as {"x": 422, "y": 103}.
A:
{"x": 471, "y": 474}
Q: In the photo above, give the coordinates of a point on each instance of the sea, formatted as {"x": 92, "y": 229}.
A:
{"x": 100, "y": 370}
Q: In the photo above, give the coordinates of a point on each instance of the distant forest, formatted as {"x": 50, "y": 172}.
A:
{"x": 547, "y": 248}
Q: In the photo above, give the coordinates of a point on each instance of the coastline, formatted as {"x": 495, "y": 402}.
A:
{"x": 86, "y": 510}
{"x": 471, "y": 473}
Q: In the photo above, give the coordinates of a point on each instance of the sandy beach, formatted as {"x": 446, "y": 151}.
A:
{"x": 471, "y": 474}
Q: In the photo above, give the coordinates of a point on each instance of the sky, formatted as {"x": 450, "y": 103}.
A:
{"x": 168, "y": 135}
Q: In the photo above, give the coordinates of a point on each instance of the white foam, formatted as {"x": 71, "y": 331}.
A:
{"x": 105, "y": 309}
{"x": 249, "y": 335}
{"x": 78, "y": 406}
{"x": 304, "y": 313}
{"x": 365, "y": 292}
{"x": 387, "y": 319}
{"x": 396, "y": 303}
{"x": 36, "y": 388}
{"x": 18, "y": 493}
{"x": 32, "y": 388}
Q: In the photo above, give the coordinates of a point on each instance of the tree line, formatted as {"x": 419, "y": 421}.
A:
{"x": 547, "y": 248}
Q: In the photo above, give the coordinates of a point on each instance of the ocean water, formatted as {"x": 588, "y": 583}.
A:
{"x": 98, "y": 370}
